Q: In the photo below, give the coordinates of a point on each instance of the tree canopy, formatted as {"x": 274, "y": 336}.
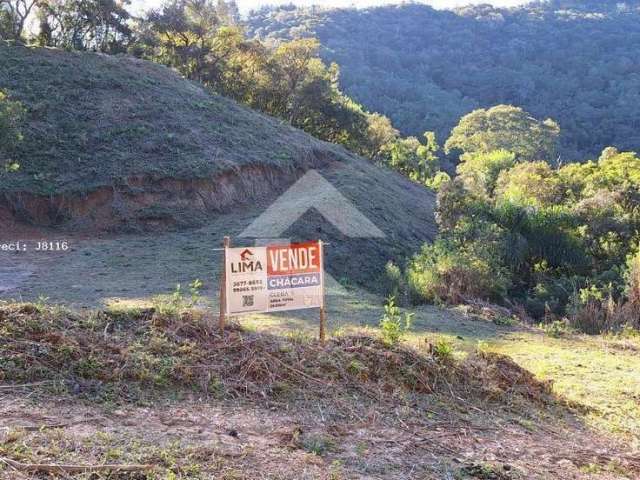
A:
{"x": 573, "y": 61}
{"x": 505, "y": 127}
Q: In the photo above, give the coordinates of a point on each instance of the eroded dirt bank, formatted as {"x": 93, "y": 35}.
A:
{"x": 144, "y": 203}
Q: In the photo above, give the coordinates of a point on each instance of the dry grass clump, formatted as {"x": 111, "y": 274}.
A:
{"x": 606, "y": 317}
{"x": 116, "y": 354}
{"x": 500, "y": 378}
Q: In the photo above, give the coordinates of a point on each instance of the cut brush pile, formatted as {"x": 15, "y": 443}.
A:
{"x": 119, "y": 355}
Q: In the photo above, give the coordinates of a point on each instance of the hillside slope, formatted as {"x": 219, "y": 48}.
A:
{"x": 115, "y": 143}
{"x": 95, "y": 120}
{"x": 573, "y": 61}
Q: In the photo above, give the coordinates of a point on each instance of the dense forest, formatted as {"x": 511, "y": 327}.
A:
{"x": 574, "y": 61}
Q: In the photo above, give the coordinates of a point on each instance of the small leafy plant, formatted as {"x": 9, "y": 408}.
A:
{"x": 178, "y": 301}
{"x": 443, "y": 349}
{"x": 318, "y": 444}
{"x": 194, "y": 290}
{"x": 556, "y": 329}
{"x": 394, "y": 324}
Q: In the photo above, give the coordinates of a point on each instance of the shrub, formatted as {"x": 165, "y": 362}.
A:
{"x": 556, "y": 329}
{"x": 393, "y": 324}
{"x": 591, "y": 318}
{"x": 169, "y": 305}
{"x": 597, "y": 317}
{"x": 317, "y": 444}
{"x": 443, "y": 349}
{"x": 550, "y": 294}
{"x": 393, "y": 281}
{"x": 442, "y": 272}
{"x": 438, "y": 181}
{"x": 172, "y": 305}
{"x": 632, "y": 278}
{"x": 593, "y": 310}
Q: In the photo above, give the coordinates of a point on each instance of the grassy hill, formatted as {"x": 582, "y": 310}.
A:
{"x": 96, "y": 120}
{"x": 115, "y": 143}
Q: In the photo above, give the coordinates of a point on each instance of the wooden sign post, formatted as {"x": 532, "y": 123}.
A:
{"x": 323, "y": 333}
{"x": 223, "y": 284}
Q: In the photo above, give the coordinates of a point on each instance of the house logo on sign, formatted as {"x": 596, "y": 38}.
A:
{"x": 247, "y": 263}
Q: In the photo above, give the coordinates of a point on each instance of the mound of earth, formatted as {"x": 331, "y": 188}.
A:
{"x": 106, "y": 352}
{"x": 114, "y": 143}
{"x": 165, "y": 392}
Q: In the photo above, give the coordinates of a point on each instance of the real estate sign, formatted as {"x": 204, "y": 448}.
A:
{"x": 274, "y": 278}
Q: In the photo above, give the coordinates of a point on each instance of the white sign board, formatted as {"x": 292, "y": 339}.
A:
{"x": 274, "y": 278}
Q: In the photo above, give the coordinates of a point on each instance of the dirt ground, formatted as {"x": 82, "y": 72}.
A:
{"x": 198, "y": 439}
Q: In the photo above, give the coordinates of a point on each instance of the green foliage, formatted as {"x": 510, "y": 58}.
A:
{"x": 394, "y": 324}
{"x": 507, "y": 128}
{"x": 173, "y": 304}
{"x": 479, "y": 172}
{"x": 14, "y": 17}
{"x": 632, "y": 279}
{"x": 439, "y": 180}
{"x": 96, "y": 25}
{"x": 551, "y": 58}
{"x": 317, "y": 444}
{"x": 190, "y": 36}
{"x": 556, "y": 329}
{"x": 12, "y": 115}
{"x": 614, "y": 171}
{"x": 169, "y": 305}
{"x": 443, "y": 349}
{"x": 6, "y": 25}
{"x": 380, "y": 133}
{"x": 452, "y": 271}
{"x": 416, "y": 160}
{"x": 555, "y": 240}
{"x": 529, "y": 184}
{"x": 541, "y": 238}
{"x": 194, "y": 289}
{"x": 393, "y": 281}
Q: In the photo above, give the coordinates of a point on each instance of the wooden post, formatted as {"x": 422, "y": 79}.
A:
{"x": 223, "y": 285}
{"x": 323, "y": 334}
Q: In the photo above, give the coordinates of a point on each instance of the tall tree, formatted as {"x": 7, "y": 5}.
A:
{"x": 98, "y": 25}
{"x": 191, "y": 36}
{"x": 505, "y": 127}
{"x": 13, "y": 17}
{"x": 293, "y": 61}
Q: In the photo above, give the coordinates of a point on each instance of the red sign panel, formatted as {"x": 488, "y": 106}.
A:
{"x": 293, "y": 259}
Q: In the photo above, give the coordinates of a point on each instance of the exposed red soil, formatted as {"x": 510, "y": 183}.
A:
{"x": 140, "y": 201}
